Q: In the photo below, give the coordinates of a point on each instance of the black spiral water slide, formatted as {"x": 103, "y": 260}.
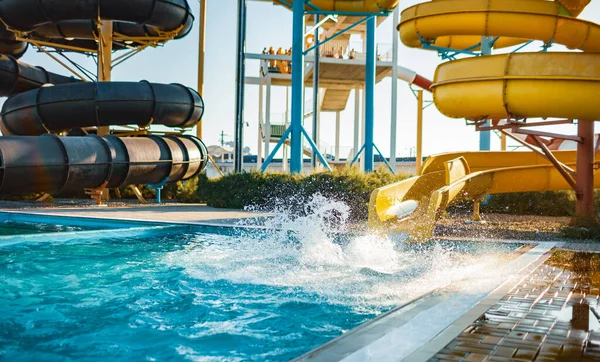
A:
{"x": 41, "y": 103}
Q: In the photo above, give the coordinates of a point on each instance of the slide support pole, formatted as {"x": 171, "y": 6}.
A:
{"x": 297, "y": 86}
{"x": 316, "y": 110}
{"x": 370, "y": 93}
{"x": 485, "y": 136}
{"x": 584, "y": 207}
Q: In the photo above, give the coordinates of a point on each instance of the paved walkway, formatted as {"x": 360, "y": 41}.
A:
{"x": 551, "y": 315}
{"x": 192, "y": 213}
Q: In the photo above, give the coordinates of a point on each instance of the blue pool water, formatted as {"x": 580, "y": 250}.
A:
{"x": 201, "y": 296}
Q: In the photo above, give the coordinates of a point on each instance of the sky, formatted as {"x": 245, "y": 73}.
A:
{"x": 270, "y": 25}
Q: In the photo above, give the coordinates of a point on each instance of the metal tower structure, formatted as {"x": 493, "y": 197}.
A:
{"x": 296, "y": 131}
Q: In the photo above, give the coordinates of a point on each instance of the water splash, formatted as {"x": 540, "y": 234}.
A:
{"x": 311, "y": 252}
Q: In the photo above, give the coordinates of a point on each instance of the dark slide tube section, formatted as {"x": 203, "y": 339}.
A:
{"x": 17, "y": 77}
{"x": 67, "y": 106}
{"x": 9, "y": 43}
{"x": 75, "y": 19}
{"x": 54, "y": 164}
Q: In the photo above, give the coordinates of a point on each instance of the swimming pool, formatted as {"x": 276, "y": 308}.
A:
{"x": 233, "y": 294}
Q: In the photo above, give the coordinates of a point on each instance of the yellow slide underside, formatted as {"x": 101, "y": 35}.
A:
{"x": 370, "y": 6}
{"x": 452, "y": 177}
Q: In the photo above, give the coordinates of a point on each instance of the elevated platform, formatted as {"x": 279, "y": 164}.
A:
{"x": 337, "y": 76}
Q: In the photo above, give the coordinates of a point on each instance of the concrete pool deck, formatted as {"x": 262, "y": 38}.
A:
{"x": 188, "y": 213}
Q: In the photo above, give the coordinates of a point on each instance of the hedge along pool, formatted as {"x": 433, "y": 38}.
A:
{"x": 236, "y": 295}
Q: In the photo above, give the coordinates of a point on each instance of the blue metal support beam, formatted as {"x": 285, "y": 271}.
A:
{"x": 370, "y": 93}
{"x": 158, "y": 188}
{"x": 347, "y": 13}
{"x": 380, "y": 154}
{"x": 386, "y": 161}
{"x": 487, "y": 43}
{"x": 522, "y": 46}
{"x": 309, "y": 4}
{"x": 316, "y": 110}
{"x": 315, "y": 150}
{"x": 297, "y": 111}
{"x": 282, "y": 140}
{"x": 357, "y": 156}
{"x": 280, "y": 143}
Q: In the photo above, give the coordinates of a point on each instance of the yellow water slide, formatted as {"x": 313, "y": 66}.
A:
{"x": 413, "y": 205}
{"x": 514, "y": 85}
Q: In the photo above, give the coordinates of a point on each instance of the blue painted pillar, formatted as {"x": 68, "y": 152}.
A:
{"x": 297, "y": 110}
{"x": 316, "y": 115}
{"x": 370, "y": 93}
{"x": 485, "y": 136}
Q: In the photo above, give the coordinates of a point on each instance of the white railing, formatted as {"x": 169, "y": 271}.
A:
{"x": 308, "y": 107}
{"x": 335, "y": 49}
{"x": 354, "y": 50}
{"x": 384, "y": 52}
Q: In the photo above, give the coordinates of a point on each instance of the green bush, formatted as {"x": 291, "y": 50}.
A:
{"x": 237, "y": 191}
{"x": 559, "y": 203}
{"x": 268, "y": 190}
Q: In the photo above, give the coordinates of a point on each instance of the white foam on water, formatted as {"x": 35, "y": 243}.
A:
{"x": 301, "y": 252}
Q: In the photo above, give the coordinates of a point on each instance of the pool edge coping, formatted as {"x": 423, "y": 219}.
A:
{"x": 148, "y": 223}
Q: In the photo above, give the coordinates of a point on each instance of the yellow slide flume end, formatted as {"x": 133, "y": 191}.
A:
{"x": 520, "y": 85}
